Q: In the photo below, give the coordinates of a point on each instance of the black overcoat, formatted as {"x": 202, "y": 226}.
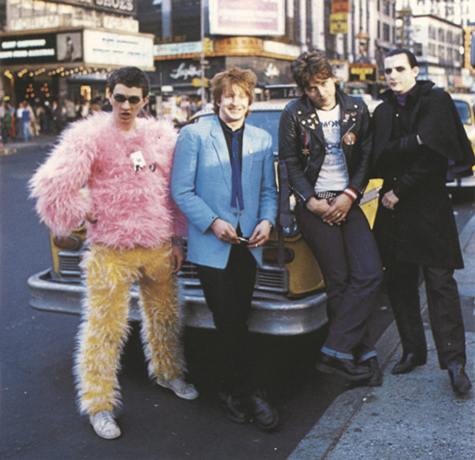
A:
{"x": 422, "y": 228}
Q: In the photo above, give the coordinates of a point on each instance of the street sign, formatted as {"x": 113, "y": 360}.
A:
{"x": 338, "y": 23}
{"x": 340, "y": 6}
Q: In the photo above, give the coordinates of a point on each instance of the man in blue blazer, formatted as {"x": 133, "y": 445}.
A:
{"x": 223, "y": 181}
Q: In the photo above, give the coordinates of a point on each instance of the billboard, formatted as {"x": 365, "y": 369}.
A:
{"x": 108, "y": 48}
{"x": 247, "y": 17}
{"x": 28, "y": 49}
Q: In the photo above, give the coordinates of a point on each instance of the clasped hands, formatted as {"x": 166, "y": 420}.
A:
{"x": 332, "y": 214}
{"x": 227, "y": 233}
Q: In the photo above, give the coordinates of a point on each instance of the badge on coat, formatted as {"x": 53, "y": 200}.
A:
{"x": 138, "y": 160}
{"x": 349, "y": 138}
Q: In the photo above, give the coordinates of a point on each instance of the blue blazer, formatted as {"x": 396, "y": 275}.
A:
{"x": 201, "y": 187}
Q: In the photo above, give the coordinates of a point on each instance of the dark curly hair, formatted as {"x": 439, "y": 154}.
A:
{"x": 130, "y": 77}
{"x": 308, "y": 65}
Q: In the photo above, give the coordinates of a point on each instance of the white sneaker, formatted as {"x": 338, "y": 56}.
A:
{"x": 104, "y": 425}
{"x": 180, "y": 388}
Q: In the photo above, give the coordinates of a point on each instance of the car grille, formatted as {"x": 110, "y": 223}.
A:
{"x": 69, "y": 263}
{"x": 267, "y": 278}
{"x": 272, "y": 279}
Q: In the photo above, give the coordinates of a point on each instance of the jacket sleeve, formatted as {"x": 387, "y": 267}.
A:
{"x": 288, "y": 152}
{"x": 359, "y": 174}
{"x": 183, "y": 177}
{"x": 57, "y": 184}
{"x": 426, "y": 163}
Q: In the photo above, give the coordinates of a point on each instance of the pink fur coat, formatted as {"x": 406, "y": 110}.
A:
{"x": 91, "y": 171}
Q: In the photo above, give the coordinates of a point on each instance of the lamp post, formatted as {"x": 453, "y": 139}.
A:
{"x": 202, "y": 58}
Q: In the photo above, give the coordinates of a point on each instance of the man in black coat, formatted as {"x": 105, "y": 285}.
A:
{"x": 324, "y": 141}
{"x": 417, "y": 137}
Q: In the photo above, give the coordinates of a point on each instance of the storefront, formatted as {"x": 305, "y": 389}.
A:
{"x": 46, "y": 65}
{"x": 178, "y": 64}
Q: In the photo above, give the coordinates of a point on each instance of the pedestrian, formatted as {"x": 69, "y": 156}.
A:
{"x": 56, "y": 118}
{"x": 34, "y": 124}
{"x": 223, "y": 181}
{"x": 417, "y": 134}
{"x": 19, "y": 121}
{"x": 8, "y": 122}
{"x": 125, "y": 163}
{"x": 26, "y": 122}
{"x": 2, "y": 115}
{"x": 325, "y": 143}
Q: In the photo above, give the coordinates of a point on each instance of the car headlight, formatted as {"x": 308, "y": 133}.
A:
{"x": 70, "y": 242}
{"x": 270, "y": 255}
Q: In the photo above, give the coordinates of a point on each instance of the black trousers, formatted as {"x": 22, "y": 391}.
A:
{"x": 351, "y": 267}
{"x": 228, "y": 293}
{"x": 445, "y": 313}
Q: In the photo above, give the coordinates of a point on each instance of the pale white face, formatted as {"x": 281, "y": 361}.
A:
{"x": 400, "y": 76}
{"x": 124, "y": 113}
{"x": 322, "y": 92}
{"x": 233, "y": 106}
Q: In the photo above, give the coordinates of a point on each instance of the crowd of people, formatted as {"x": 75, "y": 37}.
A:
{"x": 148, "y": 188}
{"x": 30, "y": 119}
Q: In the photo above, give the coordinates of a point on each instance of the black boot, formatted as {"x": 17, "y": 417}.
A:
{"x": 345, "y": 368}
{"x": 408, "y": 363}
{"x": 376, "y": 379}
{"x": 265, "y": 415}
{"x": 459, "y": 378}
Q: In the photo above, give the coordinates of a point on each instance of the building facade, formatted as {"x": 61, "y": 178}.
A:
{"x": 56, "y": 50}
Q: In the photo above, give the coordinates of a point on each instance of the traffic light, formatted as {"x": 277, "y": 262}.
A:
{"x": 472, "y": 50}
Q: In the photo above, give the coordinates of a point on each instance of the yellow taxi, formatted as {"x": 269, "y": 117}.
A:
{"x": 289, "y": 296}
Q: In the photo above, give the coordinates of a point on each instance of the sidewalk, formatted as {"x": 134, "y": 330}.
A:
{"x": 43, "y": 140}
{"x": 412, "y": 416}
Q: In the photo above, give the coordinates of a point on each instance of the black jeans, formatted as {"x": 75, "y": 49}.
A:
{"x": 351, "y": 267}
{"x": 228, "y": 293}
{"x": 445, "y": 313}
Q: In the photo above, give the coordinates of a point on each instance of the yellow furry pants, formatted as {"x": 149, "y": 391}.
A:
{"x": 104, "y": 330}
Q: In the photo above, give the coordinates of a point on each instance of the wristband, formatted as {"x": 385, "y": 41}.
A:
{"x": 350, "y": 193}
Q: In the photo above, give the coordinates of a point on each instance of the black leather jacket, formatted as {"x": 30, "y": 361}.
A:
{"x": 302, "y": 146}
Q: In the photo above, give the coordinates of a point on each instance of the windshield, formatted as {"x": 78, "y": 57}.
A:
{"x": 265, "y": 119}
{"x": 464, "y": 112}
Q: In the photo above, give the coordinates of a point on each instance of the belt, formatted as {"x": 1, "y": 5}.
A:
{"x": 328, "y": 195}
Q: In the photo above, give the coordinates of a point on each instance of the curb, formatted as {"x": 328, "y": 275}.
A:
{"x": 326, "y": 433}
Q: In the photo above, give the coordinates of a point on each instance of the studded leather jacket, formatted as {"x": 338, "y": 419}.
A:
{"x": 302, "y": 145}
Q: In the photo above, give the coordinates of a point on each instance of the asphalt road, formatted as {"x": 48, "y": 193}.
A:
{"x": 38, "y": 416}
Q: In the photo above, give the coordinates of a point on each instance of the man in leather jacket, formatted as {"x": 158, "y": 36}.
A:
{"x": 417, "y": 135}
{"x": 325, "y": 143}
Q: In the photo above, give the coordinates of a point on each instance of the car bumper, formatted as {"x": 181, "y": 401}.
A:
{"x": 272, "y": 314}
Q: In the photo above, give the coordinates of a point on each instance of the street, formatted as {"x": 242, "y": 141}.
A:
{"x": 38, "y": 415}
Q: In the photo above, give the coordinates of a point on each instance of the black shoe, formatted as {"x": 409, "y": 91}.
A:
{"x": 236, "y": 408}
{"x": 265, "y": 415}
{"x": 408, "y": 363}
{"x": 344, "y": 367}
{"x": 459, "y": 378}
{"x": 376, "y": 379}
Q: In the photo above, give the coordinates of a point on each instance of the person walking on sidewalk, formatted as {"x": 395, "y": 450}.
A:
{"x": 325, "y": 142}
{"x": 223, "y": 181}
{"x": 125, "y": 163}
{"x": 26, "y": 122}
{"x": 417, "y": 135}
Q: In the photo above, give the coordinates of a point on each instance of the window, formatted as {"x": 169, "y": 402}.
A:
{"x": 386, "y": 32}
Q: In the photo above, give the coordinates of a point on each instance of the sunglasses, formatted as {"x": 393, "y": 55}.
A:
{"x": 120, "y": 98}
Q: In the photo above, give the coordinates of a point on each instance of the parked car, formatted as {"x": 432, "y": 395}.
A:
{"x": 288, "y": 299}
{"x": 465, "y": 104}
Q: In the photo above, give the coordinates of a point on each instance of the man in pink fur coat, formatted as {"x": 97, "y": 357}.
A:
{"x": 113, "y": 171}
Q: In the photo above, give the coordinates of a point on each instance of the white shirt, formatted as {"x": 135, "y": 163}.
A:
{"x": 334, "y": 173}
